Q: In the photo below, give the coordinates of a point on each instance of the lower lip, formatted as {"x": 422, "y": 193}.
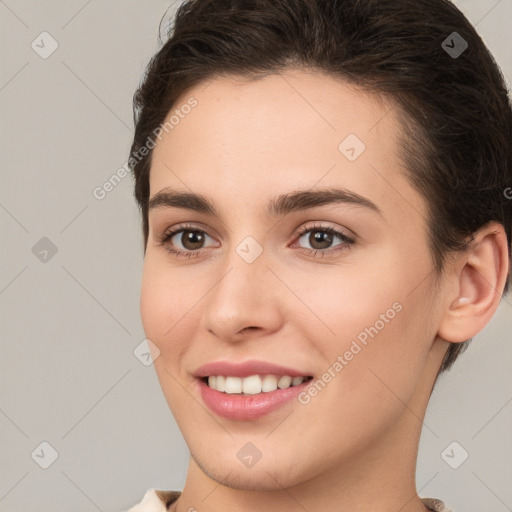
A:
{"x": 247, "y": 407}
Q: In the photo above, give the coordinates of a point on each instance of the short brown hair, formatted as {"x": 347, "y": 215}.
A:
{"x": 454, "y": 109}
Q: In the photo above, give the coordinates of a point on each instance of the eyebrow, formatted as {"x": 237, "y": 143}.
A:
{"x": 278, "y": 206}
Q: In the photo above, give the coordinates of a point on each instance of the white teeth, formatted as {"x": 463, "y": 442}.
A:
{"x": 269, "y": 383}
{"x": 233, "y": 385}
{"x": 220, "y": 383}
{"x": 297, "y": 380}
{"x": 252, "y": 385}
{"x": 284, "y": 382}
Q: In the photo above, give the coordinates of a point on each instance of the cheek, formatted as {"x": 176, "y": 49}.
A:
{"x": 373, "y": 322}
{"x": 394, "y": 345}
{"x": 346, "y": 304}
{"x": 153, "y": 303}
{"x": 369, "y": 383}
{"x": 165, "y": 306}
{"x": 164, "y": 318}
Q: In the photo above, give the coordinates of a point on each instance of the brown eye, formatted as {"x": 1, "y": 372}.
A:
{"x": 320, "y": 239}
{"x": 192, "y": 240}
{"x": 185, "y": 241}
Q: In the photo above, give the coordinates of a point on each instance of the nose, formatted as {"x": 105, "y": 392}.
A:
{"x": 244, "y": 301}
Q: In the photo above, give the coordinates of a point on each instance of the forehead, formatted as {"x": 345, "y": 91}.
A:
{"x": 277, "y": 133}
{"x": 278, "y": 111}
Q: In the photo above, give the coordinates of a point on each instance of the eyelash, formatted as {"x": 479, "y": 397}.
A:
{"x": 346, "y": 240}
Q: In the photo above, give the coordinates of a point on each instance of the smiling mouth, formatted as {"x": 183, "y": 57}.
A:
{"x": 252, "y": 385}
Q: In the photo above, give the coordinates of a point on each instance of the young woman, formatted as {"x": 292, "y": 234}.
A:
{"x": 323, "y": 188}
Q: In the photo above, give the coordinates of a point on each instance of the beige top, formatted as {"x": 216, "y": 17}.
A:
{"x": 159, "y": 501}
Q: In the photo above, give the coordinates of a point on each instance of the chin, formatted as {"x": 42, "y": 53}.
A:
{"x": 265, "y": 477}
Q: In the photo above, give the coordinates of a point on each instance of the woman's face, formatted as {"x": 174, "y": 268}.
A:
{"x": 339, "y": 287}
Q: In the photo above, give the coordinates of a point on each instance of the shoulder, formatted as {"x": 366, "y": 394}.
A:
{"x": 155, "y": 501}
{"x": 435, "y": 505}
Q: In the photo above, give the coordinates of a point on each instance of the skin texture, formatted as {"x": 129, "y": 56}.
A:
{"x": 354, "y": 445}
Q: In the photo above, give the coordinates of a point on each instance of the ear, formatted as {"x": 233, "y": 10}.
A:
{"x": 476, "y": 282}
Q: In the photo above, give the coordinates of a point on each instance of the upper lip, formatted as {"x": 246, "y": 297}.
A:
{"x": 246, "y": 369}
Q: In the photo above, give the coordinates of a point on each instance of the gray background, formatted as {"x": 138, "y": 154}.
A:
{"x": 70, "y": 320}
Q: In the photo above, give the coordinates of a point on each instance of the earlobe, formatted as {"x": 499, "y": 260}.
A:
{"x": 479, "y": 277}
